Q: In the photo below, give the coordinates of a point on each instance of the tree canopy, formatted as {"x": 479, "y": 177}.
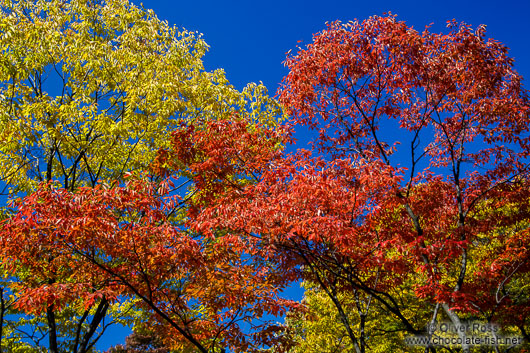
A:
{"x": 146, "y": 190}
{"x": 417, "y": 179}
{"x": 89, "y": 93}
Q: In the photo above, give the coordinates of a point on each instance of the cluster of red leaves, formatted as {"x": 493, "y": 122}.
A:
{"x": 62, "y": 240}
{"x": 74, "y": 248}
{"x": 220, "y": 156}
{"x": 449, "y": 108}
{"x": 354, "y": 77}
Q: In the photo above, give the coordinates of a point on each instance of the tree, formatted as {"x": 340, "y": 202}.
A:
{"x": 88, "y": 87}
{"x": 421, "y": 178}
{"x": 88, "y": 90}
{"x": 119, "y": 242}
{"x": 463, "y": 117}
{"x": 316, "y": 326}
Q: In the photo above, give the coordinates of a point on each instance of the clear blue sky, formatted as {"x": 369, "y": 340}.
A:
{"x": 249, "y": 39}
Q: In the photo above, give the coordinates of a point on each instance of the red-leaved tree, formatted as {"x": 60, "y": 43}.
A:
{"x": 420, "y": 182}
{"x": 200, "y": 292}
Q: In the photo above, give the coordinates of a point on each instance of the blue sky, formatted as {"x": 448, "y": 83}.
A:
{"x": 249, "y": 39}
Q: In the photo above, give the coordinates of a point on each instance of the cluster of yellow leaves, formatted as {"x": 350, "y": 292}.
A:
{"x": 88, "y": 91}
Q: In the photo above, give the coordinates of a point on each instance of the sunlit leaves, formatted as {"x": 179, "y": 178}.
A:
{"x": 89, "y": 92}
{"x": 87, "y": 89}
{"x": 418, "y": 134}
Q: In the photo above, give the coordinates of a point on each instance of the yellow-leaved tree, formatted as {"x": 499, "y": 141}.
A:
{"x": 88, "y": 90}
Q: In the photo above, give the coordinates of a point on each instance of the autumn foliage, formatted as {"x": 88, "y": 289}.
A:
{"x": 419, "y": 180}
{"x": 113, "y": 242}
{"x": 411, "y": 207}
{"x": 448, "y": 118}
{"x": 89, "y": 91}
